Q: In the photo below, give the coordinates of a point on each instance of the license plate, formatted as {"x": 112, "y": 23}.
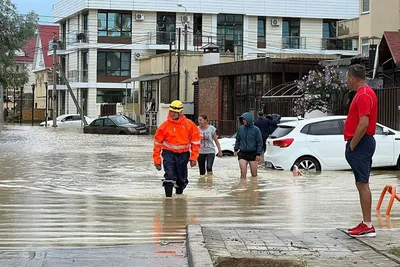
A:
{"x": 268, "y": 164}
{"x": 142, "y": 131}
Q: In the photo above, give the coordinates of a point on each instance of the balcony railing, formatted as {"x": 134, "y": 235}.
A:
{"x": 60, "y": 81}
{"x": 293, "y": 42}
{"x": 337, "y": 44}
{"x": 78, "y": 76}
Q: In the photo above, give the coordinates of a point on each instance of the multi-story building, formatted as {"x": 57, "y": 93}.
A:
{"x": 102, "y": 43}
{"x": 373, "y": 19}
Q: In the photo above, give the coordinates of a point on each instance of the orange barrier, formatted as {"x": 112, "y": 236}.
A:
{"x": 391, "y": 189}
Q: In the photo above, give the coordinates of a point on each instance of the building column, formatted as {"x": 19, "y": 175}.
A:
{"x": 92, "y": 103}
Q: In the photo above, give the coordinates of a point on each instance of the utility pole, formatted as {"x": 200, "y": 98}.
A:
{"x": 47, "y": 103}
{"x": 186, "y": 26}
{"x": 22, "y": 98}
{"x": 33, "y": 102}
{"x": 179, "y": 63}
{"x": 170, "y": 73}
{"x": 55, "y": 40}
{"x": 1, "y": 104}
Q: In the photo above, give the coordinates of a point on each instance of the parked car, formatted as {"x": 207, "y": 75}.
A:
{"x": 117, "y": 124}
{"x": 228, "y": 143}
{"x": 318, "y": 144}
{"x": 68, "y": 121}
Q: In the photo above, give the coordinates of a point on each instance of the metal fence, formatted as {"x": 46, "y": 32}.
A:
{"x": 388, "y": 107}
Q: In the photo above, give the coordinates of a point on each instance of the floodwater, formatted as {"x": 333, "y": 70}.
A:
{"x": 63, "y": 188}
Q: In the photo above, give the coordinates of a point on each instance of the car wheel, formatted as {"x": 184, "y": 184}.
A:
{"x": 398, "y": 163}
{"x": 227, "y": 153}
{"x": 308, "y": 164}
{"x": 122, "y": 133}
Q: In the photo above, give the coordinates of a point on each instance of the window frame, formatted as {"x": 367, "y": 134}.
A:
{"x": 234, "y": 23}
{"x": 106, "y": 68}
{"x": 165, "y": 36}
{"x": 291, "y": 41}
{"x": 120, "y": 31}
{"x": 365, "y": 45}
{"x": 365, "y": 6}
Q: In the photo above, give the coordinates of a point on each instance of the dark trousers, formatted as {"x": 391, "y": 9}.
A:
{"x": 176, "y": 170}
{"x": 206, "y": 160}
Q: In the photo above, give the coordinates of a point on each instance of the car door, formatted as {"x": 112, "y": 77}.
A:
{"x": 384, "y": 151}
{"x": 76, "y": 122}
{"x": 325, "y": 140}
{"x": 66, "y": 122}
{"x": 96, "y": 126}
{"x": 109, "y": 127}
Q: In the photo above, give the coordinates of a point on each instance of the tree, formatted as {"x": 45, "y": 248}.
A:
{"x": 321, "y": 91}
{"x": 15, "y": 30}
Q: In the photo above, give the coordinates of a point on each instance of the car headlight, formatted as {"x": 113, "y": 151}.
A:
{"x": 132, "y": 129}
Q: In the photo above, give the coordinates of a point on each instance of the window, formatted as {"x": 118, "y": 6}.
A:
{"x": 110, "y": 96}
{"x": 326, "y": 128}
{"x": 365, "y": 6}
{"x": 108, "y": 123}
{"x": 291, "y": 33}
{"x": 365, "y": 47}
{"x": 85, "y": 22}
{"x": 197, "y": 29}
{"x": 97, "y": 123}
{"x": 281, "y": 131}
{"x": 261, "y": 32}
{"x": 76, "y": 118}
{"x": 114, "y": 24}
{"x": 113, "y": 63}
{"x": 230, "y": 33}
{"x": 166, "y": 28}
{"x": 85, "y": 65}
{"x": 329, "y": 29}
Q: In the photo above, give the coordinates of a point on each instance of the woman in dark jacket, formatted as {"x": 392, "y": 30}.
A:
{"x": 248, "y": 146}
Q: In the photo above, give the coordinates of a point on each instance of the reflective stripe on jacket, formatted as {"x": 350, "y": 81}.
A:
{"x": 177, "y": 136}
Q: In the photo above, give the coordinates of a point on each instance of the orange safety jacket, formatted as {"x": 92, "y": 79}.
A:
{"x": 178, "y": 136}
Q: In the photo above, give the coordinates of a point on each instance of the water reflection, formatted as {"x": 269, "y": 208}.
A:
{"x": 64, "y": 188}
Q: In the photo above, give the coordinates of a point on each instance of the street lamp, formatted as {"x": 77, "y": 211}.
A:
{"x": 33, "y": 101}
{"x": 186, "y": 25}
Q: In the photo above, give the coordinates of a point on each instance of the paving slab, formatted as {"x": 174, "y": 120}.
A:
{"x": 321, "y": 247}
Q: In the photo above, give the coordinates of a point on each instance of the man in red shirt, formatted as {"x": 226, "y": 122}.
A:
{"x": 359, "y": 131}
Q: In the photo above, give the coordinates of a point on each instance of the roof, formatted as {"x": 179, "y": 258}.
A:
{"x": 28, "y": 51}
{"x": 46, "y": 35}
{"x": 312, "y": 120}
{"x": 147, "y": 77}
{"x": 392, "y": 39}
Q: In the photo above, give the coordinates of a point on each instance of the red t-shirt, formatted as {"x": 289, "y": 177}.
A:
{"x": 364, "y": 103}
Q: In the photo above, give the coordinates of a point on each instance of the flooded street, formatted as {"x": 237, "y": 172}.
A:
{"x": 63, "y": 188}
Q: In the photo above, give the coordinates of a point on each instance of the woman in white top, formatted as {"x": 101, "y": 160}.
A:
{"x": 207, "y": 148}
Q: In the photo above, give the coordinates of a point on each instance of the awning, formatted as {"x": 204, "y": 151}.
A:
{"x": 147, "y": 77}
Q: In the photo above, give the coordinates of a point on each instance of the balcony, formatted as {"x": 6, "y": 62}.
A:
{"x": 337, "y": 44}
{"x": 78, "y": 76}
{"x": 293, "y": 42}
{"x": 59, "y": 82}
{"x": 348, "y": 29}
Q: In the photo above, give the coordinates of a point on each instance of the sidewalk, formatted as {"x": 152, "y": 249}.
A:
{"x": 316, "y": 247}
{"x": 144, "y": 255}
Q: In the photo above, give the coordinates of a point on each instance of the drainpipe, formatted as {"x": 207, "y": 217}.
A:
{"x": 186, "y": 84}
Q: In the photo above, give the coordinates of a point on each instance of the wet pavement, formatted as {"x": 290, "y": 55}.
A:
{"x": 64, "y": 189}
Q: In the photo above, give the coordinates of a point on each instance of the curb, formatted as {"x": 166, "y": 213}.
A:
{"x": 198, "y": 255}
{"x": 382, "y": 252}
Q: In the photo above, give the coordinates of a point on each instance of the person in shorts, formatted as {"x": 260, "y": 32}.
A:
{"x": 359, "y": 131}
{"x": 248, "y": 146}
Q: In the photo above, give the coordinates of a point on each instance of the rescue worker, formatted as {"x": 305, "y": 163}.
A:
{"x": 178, "y": 142}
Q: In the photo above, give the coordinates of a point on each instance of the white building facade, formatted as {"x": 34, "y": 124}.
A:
{"x": 103, "y": 41}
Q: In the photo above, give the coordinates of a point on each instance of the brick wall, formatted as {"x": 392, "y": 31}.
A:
{"x": 209, "y": 97}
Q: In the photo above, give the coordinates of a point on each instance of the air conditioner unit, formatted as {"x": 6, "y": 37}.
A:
{"x": 185, "y": 19}
{"x": 139, "y": 17}
{"x": 275, "y": 22}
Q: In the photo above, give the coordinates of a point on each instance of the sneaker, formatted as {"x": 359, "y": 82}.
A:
{"x": 354, "y": 228}
{"x": 363, "y": 231}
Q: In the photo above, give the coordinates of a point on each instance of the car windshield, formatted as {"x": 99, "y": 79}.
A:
{"x": 120, "y": 120}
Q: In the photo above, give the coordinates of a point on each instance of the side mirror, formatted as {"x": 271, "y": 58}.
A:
{"x": 385, "y": 131}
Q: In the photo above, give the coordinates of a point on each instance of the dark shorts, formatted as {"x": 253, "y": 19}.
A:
{"x": 247, "y": 156}
{"x": 360, "y": 159}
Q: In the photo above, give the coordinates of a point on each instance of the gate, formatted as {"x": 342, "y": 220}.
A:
{"x": 108, "y": 109}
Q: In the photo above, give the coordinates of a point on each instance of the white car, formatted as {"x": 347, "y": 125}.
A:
{"x": 318, "y": 144}
{"x": 72, "y": 121}
{"x": 228, "y": 143}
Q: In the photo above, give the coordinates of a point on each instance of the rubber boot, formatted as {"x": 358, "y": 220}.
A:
{"x": 168, "y": 190}
{"x": 179, "y": 191}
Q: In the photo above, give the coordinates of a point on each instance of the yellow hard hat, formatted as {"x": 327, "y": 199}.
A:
{"x": 176, "y": 106}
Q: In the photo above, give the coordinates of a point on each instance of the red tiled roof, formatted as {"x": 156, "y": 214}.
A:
{"x": 46, "y": 35}
{"x": 393, "y": 42}
{"x": 29, "y": 50}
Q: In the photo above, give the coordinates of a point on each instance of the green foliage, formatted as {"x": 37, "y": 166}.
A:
{"x": 15, "y": 31}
